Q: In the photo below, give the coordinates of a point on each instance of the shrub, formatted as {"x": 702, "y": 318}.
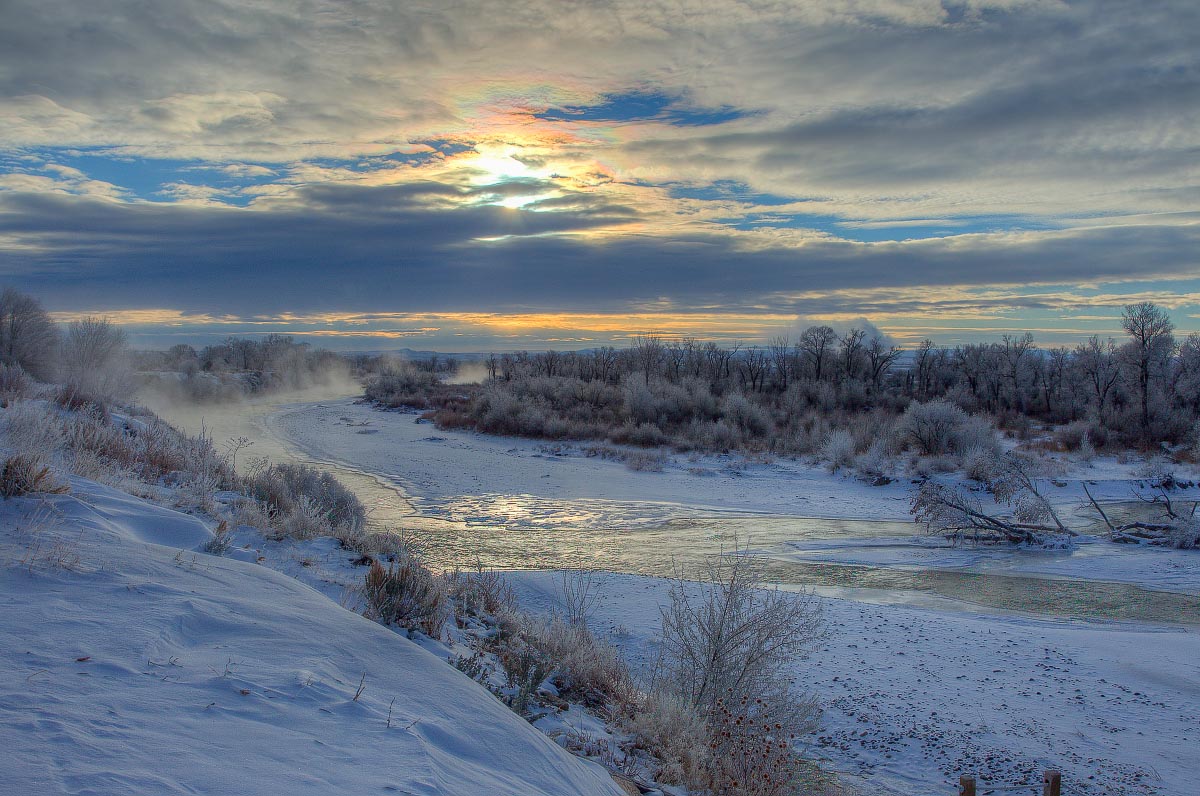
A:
{"x": 304, "y": 502}
{"x": 95, "y": 359}
{"x": 582, "y": 665}
{"x": 751, "y": 754}
{"x": 28, "y": 474}
{"x": 1071, "y": 436}
{"x": 671, "y": 728}
{"x": 406, "y": 594}
{"x": 482, "y": 591}
{"x": 402, "y": 385}
{"x": 15, "y": 384}
{"x": 981, "y": 464}
{"x": 877, "y": 462}
{"x": 728, "y": 637}
{"x": 939, "y": 428}
{"x": 930, "y": 428}
{"x": 751, "y": 418}
{"x": 838, "y": 450}
{"x": 525, "y": 669}
{"x": 645, "y": 462}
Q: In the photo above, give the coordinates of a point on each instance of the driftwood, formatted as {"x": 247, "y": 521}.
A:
{"x": 958, "y": 515}
{"x": 1171, "y": 532}
{"x": 954, "y": 515}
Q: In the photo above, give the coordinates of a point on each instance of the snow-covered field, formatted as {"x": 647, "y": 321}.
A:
{"x": 130, "y": 663}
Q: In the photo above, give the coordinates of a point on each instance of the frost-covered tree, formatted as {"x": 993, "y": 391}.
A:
{"x": 1149, "y": 350}
{"x": 95, "y": 359}
{"x": 28, "y": 337}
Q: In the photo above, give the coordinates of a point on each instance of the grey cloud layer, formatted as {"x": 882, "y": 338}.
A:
{"x": 376, "y": 249}
{"x": 872, "y": 109}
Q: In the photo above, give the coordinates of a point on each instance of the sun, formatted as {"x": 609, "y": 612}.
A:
{"x": 497, "y": 165}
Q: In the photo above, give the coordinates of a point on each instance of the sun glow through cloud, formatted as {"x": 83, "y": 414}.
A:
{"x": 569, "y": 166}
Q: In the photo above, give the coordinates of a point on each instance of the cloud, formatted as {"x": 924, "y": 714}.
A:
{"x": 400, "y": 247}
{"x": 594, "y": 157}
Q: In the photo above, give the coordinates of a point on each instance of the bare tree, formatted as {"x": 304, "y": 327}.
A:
{"x": 1014, "y": 352}
{"x": 781, "y": 356}
{"x": 880, "y": 358}
{"x": 817, "y": 343}
{"x": 850, "y": 352}
{"x": 1098, "y": 363}
{"x": 1152, "y": 344}
{"x": 647, "y": 353}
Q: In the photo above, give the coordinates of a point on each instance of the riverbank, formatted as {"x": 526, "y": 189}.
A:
{"x": 914, "y": 697}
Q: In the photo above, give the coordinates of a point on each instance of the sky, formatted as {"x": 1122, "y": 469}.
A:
{"x": 472, "y": 176}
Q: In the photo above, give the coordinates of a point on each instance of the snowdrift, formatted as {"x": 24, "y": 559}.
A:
{"x": 129, "y": 663}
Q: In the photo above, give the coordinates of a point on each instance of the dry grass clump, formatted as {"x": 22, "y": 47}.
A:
{"x": 407, "y": 594}
{"x": 28, "y": 474}
{"x": 303, "y": 502}
{"x": 15, "y": 384}
{"x": 584, "y": 667}
{"x": 482, "y": 592}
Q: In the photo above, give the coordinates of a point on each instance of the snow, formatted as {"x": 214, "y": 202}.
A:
{"x": 130, "y": 663}
{"x": 915, "y": 697}
{"x": 527, "y": 483}
{"x": 465, "y": 474}
{"x": 918, "y": 688}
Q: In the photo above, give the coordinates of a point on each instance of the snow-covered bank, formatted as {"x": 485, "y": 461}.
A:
{"x": 914, "y": 697}
{"x": 466, "y": 474}
{"x": 441, "y": 467}
{"x": 129, "y": 663}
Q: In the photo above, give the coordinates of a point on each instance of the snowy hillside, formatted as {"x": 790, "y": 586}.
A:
{"x": 131, "y": 664}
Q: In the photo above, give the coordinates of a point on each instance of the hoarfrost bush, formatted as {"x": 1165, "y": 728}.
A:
{"x": 1071, "y": 436}
{"x": 304, "y": 502}
{"x": 401, "y": 385}
{"x": 877, "y": 461}
{"x": 15, "y": 384}
{"x": 728, "y": 637}
{"x": 678, "y": 736}
{"x": 938, "y": 428}
{"x": 744, "y": 414}
{"x": 1185, "y": 535}
{"x": 981, "y": 464}
{"x": 645, "y": 462}
{"x": 95, "y": 360}
{"x": 931, "y": 427}
{"x": 582, "y": 664}
{"x": 482, "y": 591}
{"x": 1087, "y": 451}
{"x": 837, "y": 450}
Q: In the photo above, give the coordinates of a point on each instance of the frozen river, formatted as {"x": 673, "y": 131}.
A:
{"x": 440, "y": 484}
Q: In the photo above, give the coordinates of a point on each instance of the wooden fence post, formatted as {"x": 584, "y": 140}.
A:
{"x": 1051, "y": 783}
{"x": 966, "y": 786}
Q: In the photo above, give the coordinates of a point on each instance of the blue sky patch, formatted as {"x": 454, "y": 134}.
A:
{"x": 637, "y": 106}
